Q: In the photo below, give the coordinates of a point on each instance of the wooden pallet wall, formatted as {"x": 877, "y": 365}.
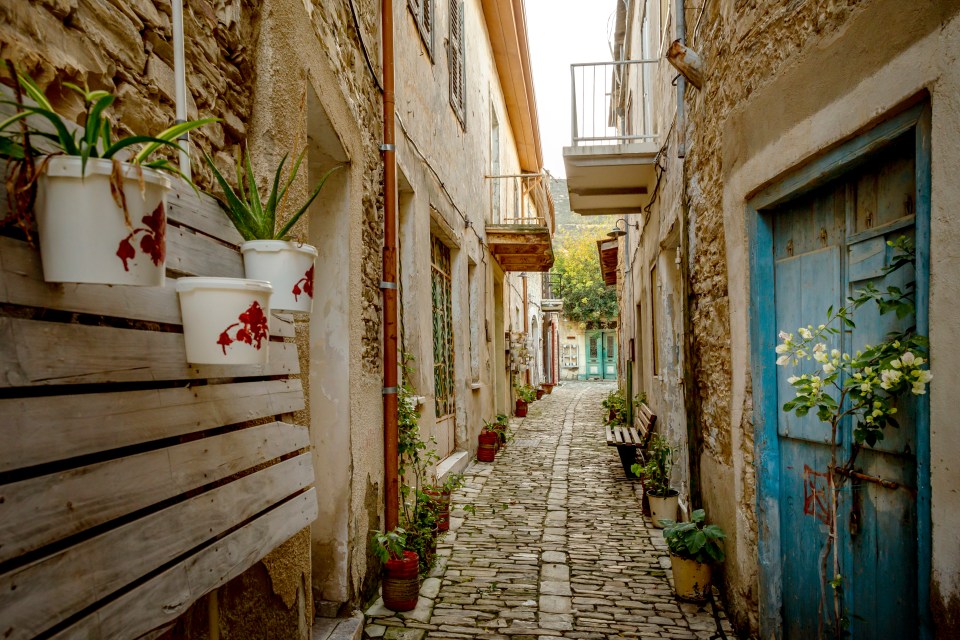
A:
{"x": 133, "y": 483}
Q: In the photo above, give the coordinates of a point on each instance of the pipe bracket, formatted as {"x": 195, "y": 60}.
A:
{"x": 388, "y": 147}
{"x": 388, "y": 285}
{"x": 389, "y": 391}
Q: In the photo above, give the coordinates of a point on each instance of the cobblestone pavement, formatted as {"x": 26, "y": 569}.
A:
{"x": 556, "y": 546}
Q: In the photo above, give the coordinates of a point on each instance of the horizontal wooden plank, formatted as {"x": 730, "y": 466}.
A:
{"x": 42, "y": 510}
{"x": 41, "y": 430}
{"x": 192, "y": 254}
{"x": 21, "y": 283}
{"x": 39, "y": 595}
{"x": 201, "y": 213}
{"x": 168, "y": 595}
{"x": 36, "y": 353}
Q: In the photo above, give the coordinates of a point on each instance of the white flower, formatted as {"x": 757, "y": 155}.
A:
{"x": 835, "y": 353}
{"x": 907, "y": 358}
{"x": 783, "y": 360}
{"x": 792, "y": 379}
{"x": 919, "y": 388}
{"x": 828, "y": 368}
{"x": 822, "y": 327}
{"x": 890, "y": 377}
{"x": 804, "y": 333}
{"x": 782, "y": 348}
{"x": 786, "y": 337}
{"x": 924, "y": 376}
{"x": 895, "y": 363}
{"x": 865, "y": 387}
{"x": 801, "y": 353}
{"x": 820, "y": 356}
{"x": 819, "y": 347}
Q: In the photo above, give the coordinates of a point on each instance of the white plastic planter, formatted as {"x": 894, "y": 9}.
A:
{"x": 84, "y": 236}
{"x": 664, "y": 508}
{"x": 288, "y": 266}
{"x": 225, "y": 320}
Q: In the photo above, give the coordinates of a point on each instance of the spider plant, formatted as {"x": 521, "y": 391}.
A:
{"x": 255, "y": 218}
{"x": 96, "y": 139}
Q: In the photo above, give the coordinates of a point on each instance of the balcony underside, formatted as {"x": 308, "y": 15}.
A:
{"x": 613, "y": 179}
{"x": 521, "y": 247}
{"x": 608, "y": 250}
{"x": 548, "y": 305}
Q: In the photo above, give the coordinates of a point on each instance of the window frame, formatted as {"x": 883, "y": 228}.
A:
{"x": 457, "y": 60}
{"x": 423, "y": 16}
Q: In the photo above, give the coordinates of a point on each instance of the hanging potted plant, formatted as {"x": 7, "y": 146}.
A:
{"x": 268, "y": 253}
{"x": 525, "y": 395}
{"x": 656, "y": 472}
{"x": 694, "y": 547}
{"x": 225, "y": 320}
{"x": 547, "y": 387}
{"x": 401, "y": 569}
{"x": 100, "y": 218}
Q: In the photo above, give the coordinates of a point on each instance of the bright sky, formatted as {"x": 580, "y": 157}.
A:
{"x": 563, "y": 32}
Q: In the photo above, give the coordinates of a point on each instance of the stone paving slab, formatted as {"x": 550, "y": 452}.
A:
{"x": 556, "y": 545}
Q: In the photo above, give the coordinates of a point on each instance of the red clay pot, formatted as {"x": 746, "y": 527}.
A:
{"x": 540, "y": 393}
{"x": 547, "y": 387}
{"x": 401, "y": 582}
{"x": 488, "y": 446}
{"x": 521, "y": 410}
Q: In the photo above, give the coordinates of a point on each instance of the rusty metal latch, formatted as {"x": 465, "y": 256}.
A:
{"x": 886, "y": 484}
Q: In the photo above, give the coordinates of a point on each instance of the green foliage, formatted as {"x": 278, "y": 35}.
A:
{"x": 96, "y": 140}
{"x": 658, "y": 468}
{"x": 585, "y": 296}
{"x": 693, "y": 540}
{"x": 453, "y": 482}
{"x": 389, "y": 544}
{"x": 617, "y": 403}
{"x": 254, "y": 217}
{"x": 526, "y": 392}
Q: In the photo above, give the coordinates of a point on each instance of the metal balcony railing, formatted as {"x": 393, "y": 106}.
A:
{"x": 611, "y": 102}
{"x": 514, "y": 200}
{"x": 552, "y": 286}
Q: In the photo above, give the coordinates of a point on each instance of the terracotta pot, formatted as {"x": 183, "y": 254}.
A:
{"x": 521, "y": 410}
{"x": 441, "y": 502}
{"x": 488, "y": 446}
{"x": 663, "y": 508}
{"x": 540, "y": 393}
{"x": 691, "y": 579}
{"x": 547, "y": 388}
{"x": 401, "y": 582}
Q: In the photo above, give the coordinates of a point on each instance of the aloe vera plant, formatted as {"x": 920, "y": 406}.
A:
{"x": 255, "y": 218}
{"x": 95, "y": 140}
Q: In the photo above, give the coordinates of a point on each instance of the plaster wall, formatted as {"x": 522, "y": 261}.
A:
{"x": 783, "y": 85}
{"x": 571, "y": 332}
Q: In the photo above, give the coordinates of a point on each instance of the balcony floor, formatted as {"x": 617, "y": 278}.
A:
{"x": 521, "y": 247}
{"x": 610, "y": 179}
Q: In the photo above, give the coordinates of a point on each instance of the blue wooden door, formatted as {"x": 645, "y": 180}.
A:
{"x": 827, "y": 245}
{"x": 602, "y": 355}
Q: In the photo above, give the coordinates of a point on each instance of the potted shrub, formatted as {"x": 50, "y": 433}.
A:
{"x": 616, "y": 406}
{"x": 268, "y": 253}
{"x": 401, "y": 571}
{"x": 525, "y": 395}
{"x": 100, "y": 211}
{"x": 694, "y": 547}
{"x": 656, "y": 472}
{"x": 440, "y": 499}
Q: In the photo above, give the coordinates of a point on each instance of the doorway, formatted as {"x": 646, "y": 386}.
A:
{"x": 602, "y": 355}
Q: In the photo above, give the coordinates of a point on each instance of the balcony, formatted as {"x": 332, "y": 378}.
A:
{"x": 611, "y": 162}
{"x": 521, "y": 224}
{"x": 551, "y": 294}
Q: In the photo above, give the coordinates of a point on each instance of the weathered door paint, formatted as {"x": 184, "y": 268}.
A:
{"x": 601, "y": 355}
{"x": 827, "y": 244}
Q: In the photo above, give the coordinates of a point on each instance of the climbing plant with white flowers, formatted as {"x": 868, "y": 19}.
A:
{"x": 861, "y": 388}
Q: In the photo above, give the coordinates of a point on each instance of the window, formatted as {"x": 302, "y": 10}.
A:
{"x": 422, "y": 11}
{"x": 570, "y": 356}
{"x": 476, "y": 313}
{"x": 442, "y": 290}
{"x": 495, "y": 196}
{"x": 655, "y": 320}
{"x": 456, "y": 58}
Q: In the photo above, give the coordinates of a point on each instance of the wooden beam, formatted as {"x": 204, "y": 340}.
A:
{"x": 609, "y": 191}
{"x": 42, "y": 510}
{"x": 86, "y": 354}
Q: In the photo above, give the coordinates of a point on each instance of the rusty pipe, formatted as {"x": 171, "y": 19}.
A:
{"x": 389, "y": 286}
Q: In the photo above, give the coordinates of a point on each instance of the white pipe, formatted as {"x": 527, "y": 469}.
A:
{"x": 180, "y": 83}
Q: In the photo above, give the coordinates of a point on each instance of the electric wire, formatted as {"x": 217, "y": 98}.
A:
{"x": 363, "y": 47}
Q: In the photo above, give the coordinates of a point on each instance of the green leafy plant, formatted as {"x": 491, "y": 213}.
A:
{"x": 96, "y": 139}
{"x": 639, "y": 399}
{"x": 526, "y": 392}
{"x": 453, "y": 482}
{"x": 586, "y": 298}
{"x": 657, "y": 469}
{"x": 616, "y": 405}
{"x": 694, "y": 540}
{"x": 388, "y": 545}
{"x": 860, "y": 391}
{"x": 254, "y": 217}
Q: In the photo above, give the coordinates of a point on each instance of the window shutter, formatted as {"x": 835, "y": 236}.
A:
{"x": 422, "y": 11}
{"x": 456, "y": 54}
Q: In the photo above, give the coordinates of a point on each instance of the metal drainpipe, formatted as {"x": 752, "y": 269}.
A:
{"x": 389, "y": 284}
{"x": 526, "y": 319}
{"x": 693, "y": 432}
{"x": 180, "y": 84}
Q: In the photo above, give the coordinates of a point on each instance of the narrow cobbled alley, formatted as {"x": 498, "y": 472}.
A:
{"x": 549, "y": 541}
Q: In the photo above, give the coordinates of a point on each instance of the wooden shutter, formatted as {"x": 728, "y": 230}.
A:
{"x": 456, "y": 57}
{"x": 422, "y": 11}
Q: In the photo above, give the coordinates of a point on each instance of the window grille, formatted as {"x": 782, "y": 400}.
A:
{"x": 443, "y": 355}
{"x": 456, "y": 59}
{"x": 422, "y": 12}
{"x": 569, "y": 356}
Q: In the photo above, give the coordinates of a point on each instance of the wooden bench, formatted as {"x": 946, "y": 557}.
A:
{"x": 627, "y": 438}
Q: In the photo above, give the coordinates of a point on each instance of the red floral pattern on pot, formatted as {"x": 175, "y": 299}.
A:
{"x": 253, "y": 329}
{"x": 153, "y": 242}
{"x": 307, "y": 282}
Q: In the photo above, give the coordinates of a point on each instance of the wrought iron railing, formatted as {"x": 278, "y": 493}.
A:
{"x": 611, "y": 102}
{"x": 552, "y": 286}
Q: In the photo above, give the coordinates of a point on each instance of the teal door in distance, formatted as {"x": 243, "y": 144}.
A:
{"x": 601, "y": 355}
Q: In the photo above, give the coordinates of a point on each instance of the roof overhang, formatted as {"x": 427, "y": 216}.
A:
{"x": 521, "y": 247}
{"x": 608, "y": 260}
{"x": 507, "y": 30}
